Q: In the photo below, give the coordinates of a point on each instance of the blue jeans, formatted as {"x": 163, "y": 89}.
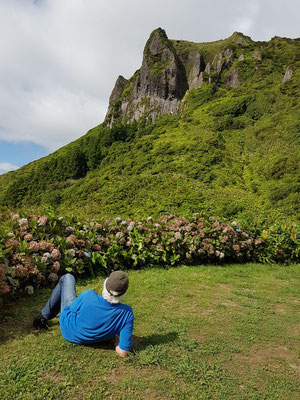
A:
{"x": 63, "y": 295}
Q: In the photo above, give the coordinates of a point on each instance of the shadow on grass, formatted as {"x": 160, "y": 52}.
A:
{"x": 16, "y": 317}
{"x": 141, "y": 342}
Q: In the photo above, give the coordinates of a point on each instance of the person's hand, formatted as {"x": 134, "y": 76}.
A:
{"x": 122, "y": 353}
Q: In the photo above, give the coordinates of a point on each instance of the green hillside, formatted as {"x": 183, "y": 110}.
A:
{"x": 231, "y": 152}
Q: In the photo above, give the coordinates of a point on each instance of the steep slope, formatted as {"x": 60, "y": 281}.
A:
{"x": 228, "y": 146}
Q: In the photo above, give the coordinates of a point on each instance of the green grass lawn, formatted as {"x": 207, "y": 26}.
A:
{"x": 200, "y": 333}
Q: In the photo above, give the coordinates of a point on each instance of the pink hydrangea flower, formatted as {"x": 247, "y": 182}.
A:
{"x": 55, "y": 267}
{"x": 28, "y": 237}
{"x": 55, "y": 254}
{"x": 80, "y": 242}
{"x": 177, "y": 235}
{"x": 20, "y": 271}
{"x": 23, "y": 222}
{"x": 224, "y": 239}
{"x": 43, "y": 245}
{"x": 69, "y": 230}
{"x": 33, "y": 246}
{"x": 80, "y": 253}
{"x": 42, "y": 221}
{"x": 258, "y": 241}
{"x": 12, "y": 243}
{"x": 50, "y": 246}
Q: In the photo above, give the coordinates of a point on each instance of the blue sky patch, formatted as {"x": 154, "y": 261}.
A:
{"x": 21, "y": 153}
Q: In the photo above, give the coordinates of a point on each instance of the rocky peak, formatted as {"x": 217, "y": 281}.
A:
{"x": 118, "y": 88}
{"x": 169, "y": 69}
{"x": 157, "y": 87}
{"x": 240, "y": 38}
{"x": 160, "y": 75}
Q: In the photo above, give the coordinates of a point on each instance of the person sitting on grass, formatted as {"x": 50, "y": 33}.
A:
{"x": 90, "y": 318}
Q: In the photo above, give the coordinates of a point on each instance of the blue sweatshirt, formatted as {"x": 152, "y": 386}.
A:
{"x": 91, "y": 319}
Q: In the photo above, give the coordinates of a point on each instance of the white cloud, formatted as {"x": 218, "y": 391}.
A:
{"x": 246, "y": 17}
{"x": 60, "y": 58}
{"x": 5, "y": 167}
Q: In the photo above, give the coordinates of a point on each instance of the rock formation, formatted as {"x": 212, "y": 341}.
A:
{"x": 169, "y": 69}
{"x": 288, "y": 75}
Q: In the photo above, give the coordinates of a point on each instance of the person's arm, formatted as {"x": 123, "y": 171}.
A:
{"x": 122, "y": 353}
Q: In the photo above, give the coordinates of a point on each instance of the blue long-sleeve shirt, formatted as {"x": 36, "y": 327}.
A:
{"x": 90, "y": 318}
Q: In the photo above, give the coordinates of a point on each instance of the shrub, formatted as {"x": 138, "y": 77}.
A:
{"x": 36, "y": 250}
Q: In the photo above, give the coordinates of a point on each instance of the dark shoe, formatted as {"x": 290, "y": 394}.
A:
{"x": 40, "y": 322}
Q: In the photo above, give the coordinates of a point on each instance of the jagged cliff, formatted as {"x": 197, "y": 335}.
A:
{"x": 171, "y": 68}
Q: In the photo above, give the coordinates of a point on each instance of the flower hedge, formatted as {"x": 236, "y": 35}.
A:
{"x": 36, "y": 250}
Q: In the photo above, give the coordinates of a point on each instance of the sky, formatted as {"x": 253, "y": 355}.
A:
{"x": 61, "y": 58}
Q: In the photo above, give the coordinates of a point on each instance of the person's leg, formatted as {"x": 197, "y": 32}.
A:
{"x": 63, "y": 294}
{"x": 68, "y": 291}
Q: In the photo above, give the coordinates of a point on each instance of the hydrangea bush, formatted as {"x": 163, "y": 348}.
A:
{"x": 36, "y": 250}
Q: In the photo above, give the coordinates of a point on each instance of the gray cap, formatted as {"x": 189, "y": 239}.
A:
{"x": 117, "y": 283}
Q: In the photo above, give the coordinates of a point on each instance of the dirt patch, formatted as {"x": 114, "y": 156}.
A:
{"x": 122, "y": 371}
{"x": 280, "y": 309}
{"x": 294, "y": 329}
{"x": 294, "y": 301}
{"x": 221, "y": 293}
{"x": 286, "y": 308}
{"x": 117, "y": 374}
{"x": 206, "y": 312}
{"x": 149, "y": 374}
{"x": 199, "y": 336}
{"x": 262, "y": 357}
{"x": 229, "y": 303}
{"x": 53, "y": 376}
{"x": 225, "y": 287}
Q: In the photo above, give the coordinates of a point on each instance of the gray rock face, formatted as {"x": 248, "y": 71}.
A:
{"x": 288, "y": 75}
{"x": 195, "y": 79}
{"x": 233, "y": 79}
{"x": 118, "y": 88}
{"x": 223, "y": 59}
{"x": 160, "y": 75}
{"x": 165, "y": 76}
{"x": 159, "y": 86}
{"x": 257, "y": 55}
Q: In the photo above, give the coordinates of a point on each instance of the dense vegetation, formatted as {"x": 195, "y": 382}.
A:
{"x": 36, "y": 250}
{"x": 232, "y": 152}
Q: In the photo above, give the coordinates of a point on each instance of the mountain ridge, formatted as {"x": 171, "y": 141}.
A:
{"x": 170, "y": 69}
{"x": 228, "y": 144}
